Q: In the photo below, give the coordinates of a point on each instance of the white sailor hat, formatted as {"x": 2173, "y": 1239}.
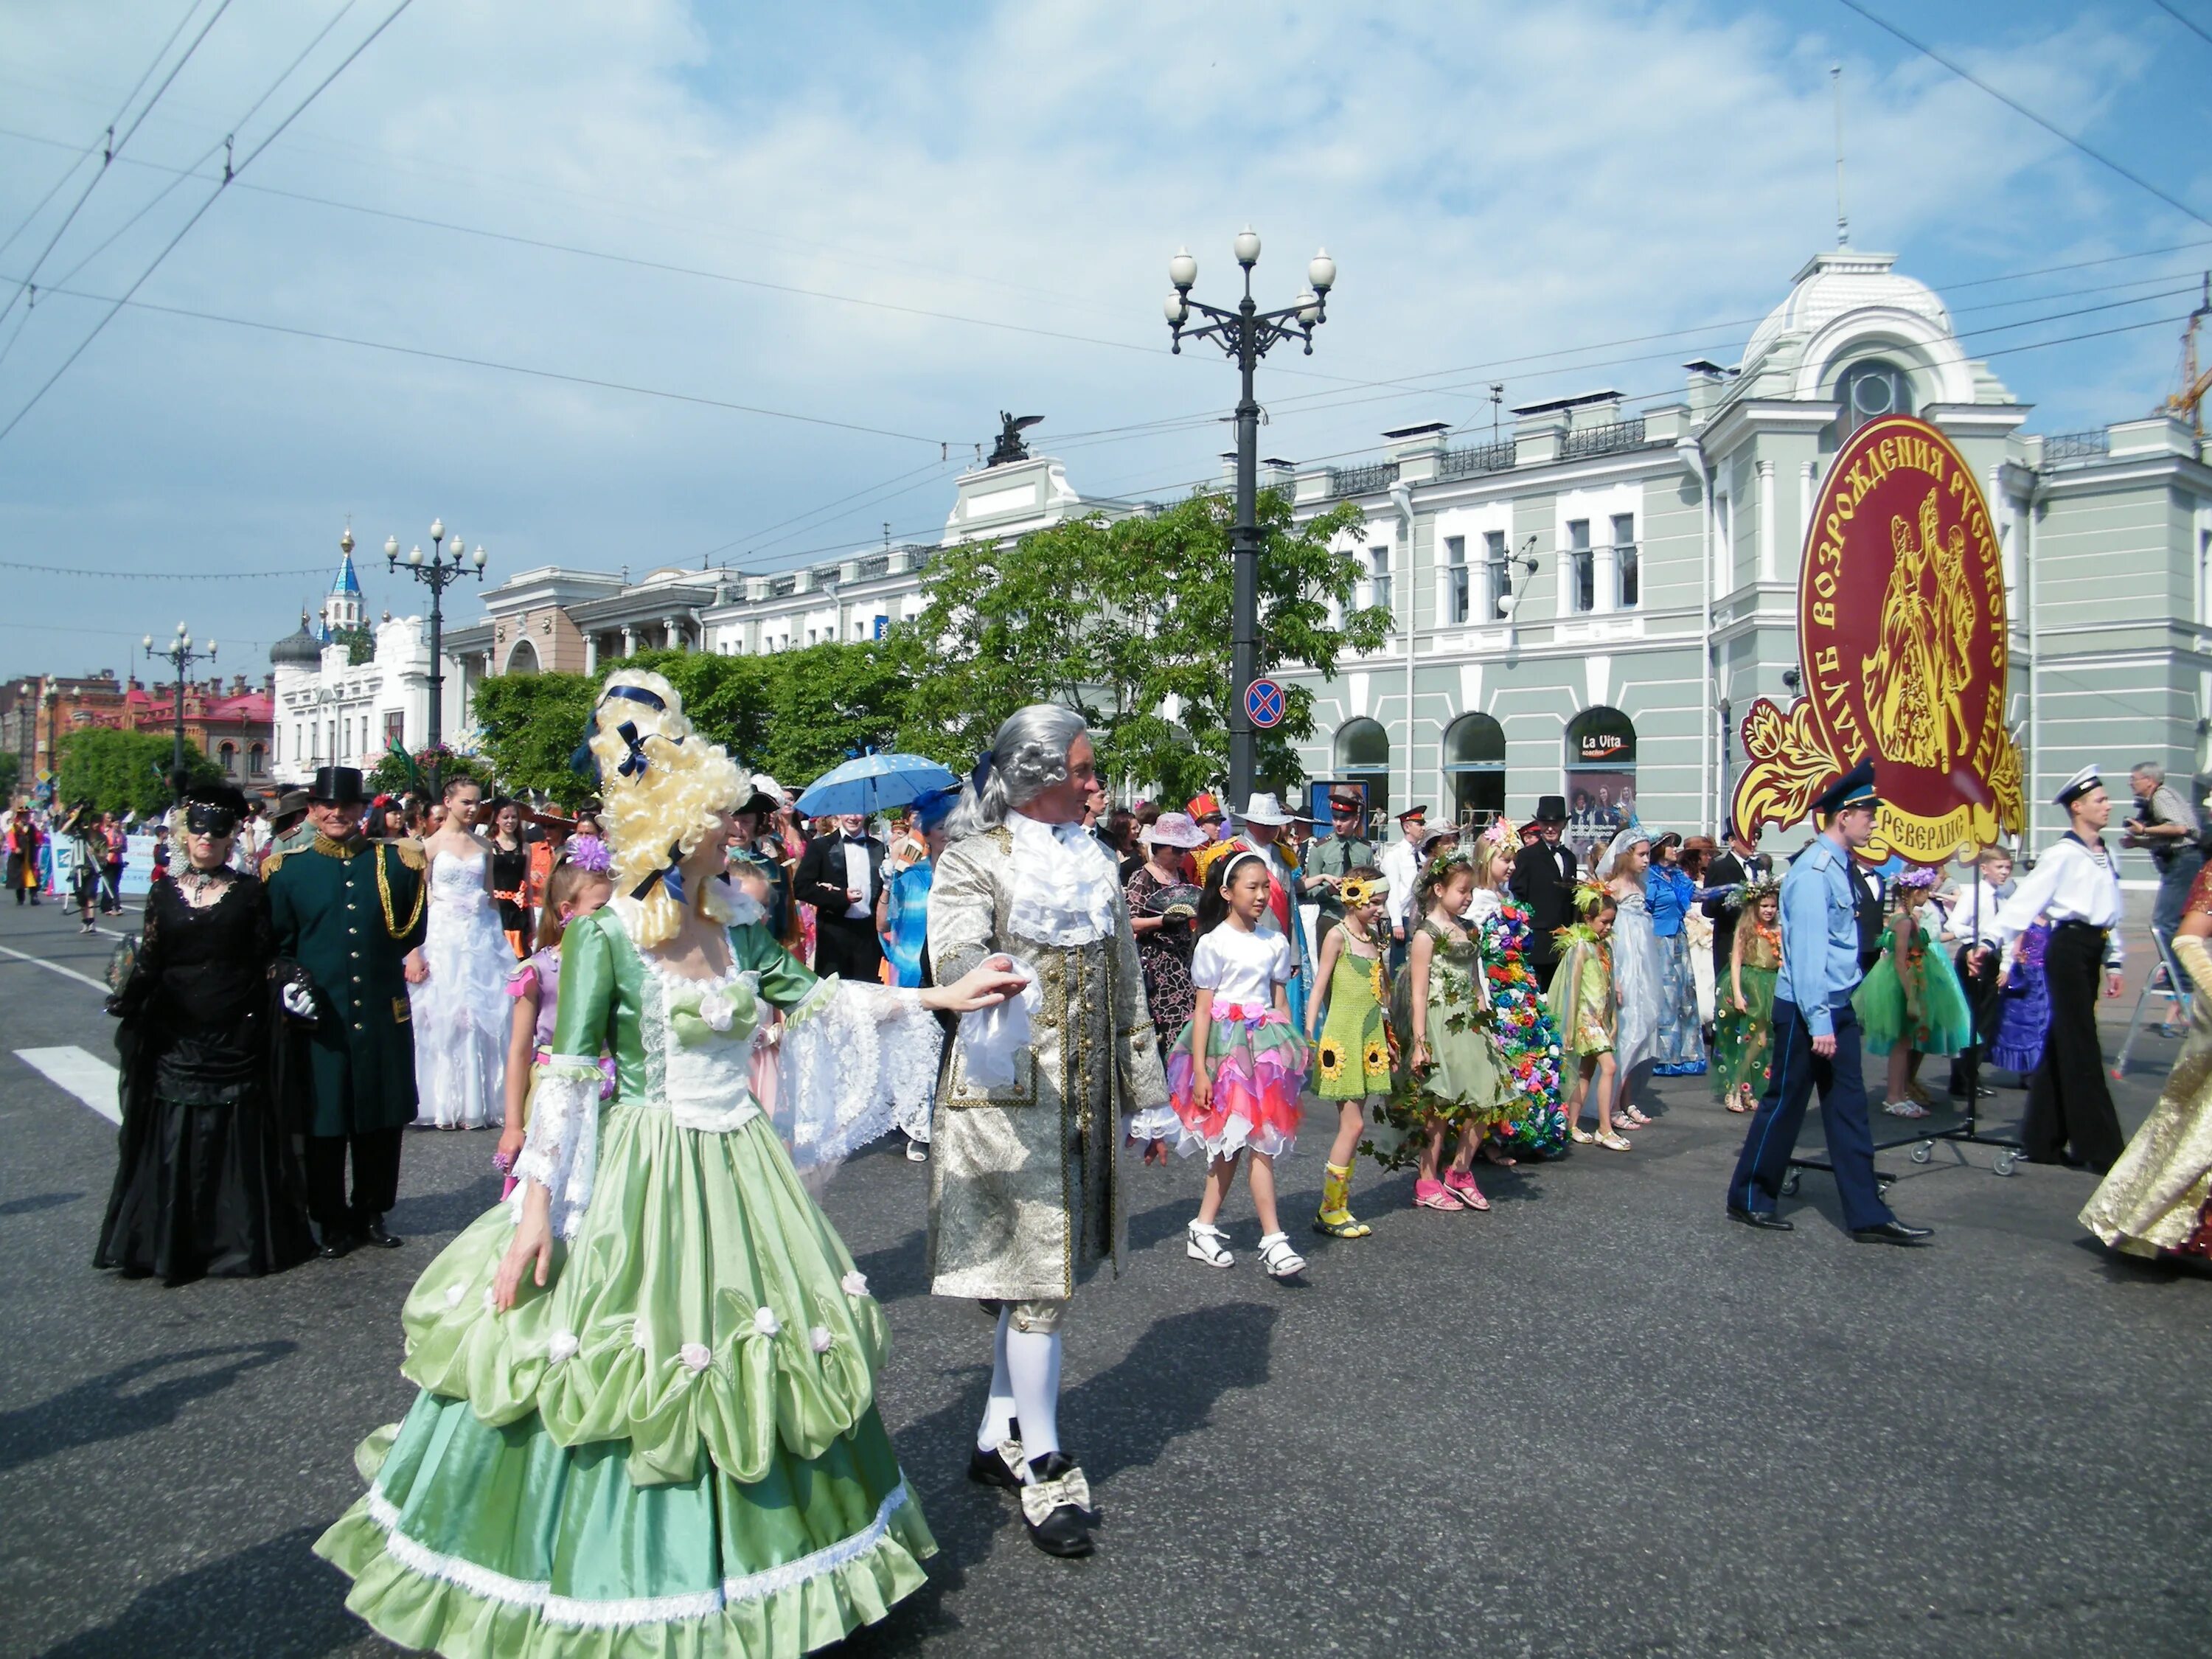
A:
{"x": 2080, "y": 784}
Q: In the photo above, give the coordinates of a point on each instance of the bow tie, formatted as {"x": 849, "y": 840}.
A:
{"x": 856, "y": 841}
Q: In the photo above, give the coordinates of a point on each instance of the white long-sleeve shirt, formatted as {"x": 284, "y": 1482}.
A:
{"x": 1400, "y": 864}
{"x": 2075, "y": 881}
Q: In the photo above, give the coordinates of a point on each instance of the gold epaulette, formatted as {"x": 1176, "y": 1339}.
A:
{"x": 337, "y": 849}
{"x": 272, "y": 864}
{"x": 411, "y": 854}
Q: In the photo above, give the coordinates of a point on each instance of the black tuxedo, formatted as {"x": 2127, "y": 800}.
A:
{"x": 1544, "y": 880}
{"x": 846, "y": 947}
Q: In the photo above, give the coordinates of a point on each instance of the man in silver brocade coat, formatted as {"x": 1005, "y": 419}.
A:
{"x": 1025, "y": 1183}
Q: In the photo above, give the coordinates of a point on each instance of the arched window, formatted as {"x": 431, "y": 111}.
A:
{"x": 226, "y": 754}
{"x": 1475, "y": 767}
{"x": 1601, "y": 777}
{"x": 255, "y": 761}
{"x": 523, "y": 659}
{"x": 1868, "y": 391}
{"x": 1362, "y": 757}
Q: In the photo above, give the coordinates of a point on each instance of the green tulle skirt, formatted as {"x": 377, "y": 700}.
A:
{"x": 1938, "y": 1020}
{"x": 671, "y": 1450}
{"x": 1743, "y": 1038}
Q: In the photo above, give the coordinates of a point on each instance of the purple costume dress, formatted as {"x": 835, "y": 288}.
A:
{"x": 2023, "y": 1007}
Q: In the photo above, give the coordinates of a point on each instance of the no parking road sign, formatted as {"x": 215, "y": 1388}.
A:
{"x": 1265, "y": 704}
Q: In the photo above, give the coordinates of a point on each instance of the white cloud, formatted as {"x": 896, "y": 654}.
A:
{"x": 1494, "y": 182}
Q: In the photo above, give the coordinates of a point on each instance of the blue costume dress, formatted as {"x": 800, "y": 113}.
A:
{"x": 906, "y": 917}
{"x": 1680, "y": 1046}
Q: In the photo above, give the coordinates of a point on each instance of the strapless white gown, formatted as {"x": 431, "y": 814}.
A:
{"x": 460, "y": 1012}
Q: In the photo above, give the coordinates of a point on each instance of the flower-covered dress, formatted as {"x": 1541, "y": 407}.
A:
{"x": 1913, "y": 995}
{"x": 1535, "y": 1125}
{"x": 1743, "y": 1038}
{"x": 673, "y": 1448}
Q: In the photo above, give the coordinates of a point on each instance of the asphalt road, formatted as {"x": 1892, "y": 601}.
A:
{"x": 1598, "y": 1420}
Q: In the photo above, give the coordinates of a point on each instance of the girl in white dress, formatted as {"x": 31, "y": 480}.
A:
{"x": 459, "y": 1013}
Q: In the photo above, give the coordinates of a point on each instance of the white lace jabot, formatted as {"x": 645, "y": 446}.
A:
{"x": 1065, "y": 883}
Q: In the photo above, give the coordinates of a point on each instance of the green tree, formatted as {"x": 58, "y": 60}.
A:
{"x": 1130, "y": 619}
{"x": 11, "y": 772}
{"x": 832, "y": 701}
{"x": 529, "y": 725}
{"x": 360, "y": 643}
{"x": 399, "y": 774}
{"x": 731, "y": 699}
{"x": 125, "y": 771}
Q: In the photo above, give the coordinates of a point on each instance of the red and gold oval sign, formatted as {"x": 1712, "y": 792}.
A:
{"x": 1901, "y": 639}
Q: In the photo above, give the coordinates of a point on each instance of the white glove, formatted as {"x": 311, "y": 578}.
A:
{"x": 298, "y": 1000}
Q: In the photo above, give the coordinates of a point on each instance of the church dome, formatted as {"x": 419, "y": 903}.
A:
{"x": 1834, "y": 284}
{"x": 297, "y": 649}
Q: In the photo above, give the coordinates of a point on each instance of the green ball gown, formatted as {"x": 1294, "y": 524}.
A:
{"x": 672, "y": 1450}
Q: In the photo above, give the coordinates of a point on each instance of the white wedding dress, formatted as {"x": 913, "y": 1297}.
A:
{"x": 460, "y": 1012}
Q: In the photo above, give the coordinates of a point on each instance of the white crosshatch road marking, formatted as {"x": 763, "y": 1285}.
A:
{"x": 88, "y": 1077}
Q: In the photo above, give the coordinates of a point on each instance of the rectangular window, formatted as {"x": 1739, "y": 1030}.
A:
{"x": 1624, "y": 559}
{"x": 254, "y": 758}
{"x": 1456, "y": 578}
{"x": 1497, "y": 578}
{"x": 1378, "y": 584}
{"x": 1583, "y": 564}
{"x": 395, "y": 728}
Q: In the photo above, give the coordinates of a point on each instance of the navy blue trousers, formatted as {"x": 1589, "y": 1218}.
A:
{"x": 1797, "y": 1071}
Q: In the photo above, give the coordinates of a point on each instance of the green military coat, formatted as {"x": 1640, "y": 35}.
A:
{"x": 349, "y": 912}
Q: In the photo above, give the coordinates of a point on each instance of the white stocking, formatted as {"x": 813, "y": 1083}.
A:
{"x": 999, "y": 1411}
{"x": 1033, "y": 1364}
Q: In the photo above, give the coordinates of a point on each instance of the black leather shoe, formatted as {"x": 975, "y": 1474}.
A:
{"x": 374, "y": 1234}
{"x": 1057, "y": 1507}
{"x": 336, "y": 1244}
{"x": 991, "y": 1468}
{"x": 1893, "y": 1232}
{"x": 1765, "y": 1220}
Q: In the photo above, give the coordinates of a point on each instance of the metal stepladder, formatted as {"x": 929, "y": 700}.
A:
{"x": 2164, "y": 982}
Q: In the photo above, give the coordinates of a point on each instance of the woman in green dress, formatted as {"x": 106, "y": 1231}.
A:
{"x": 648, "y": 1423}
{"x": 1743, "y": 1030}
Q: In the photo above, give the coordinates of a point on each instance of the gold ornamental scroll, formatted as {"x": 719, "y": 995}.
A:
{"x": 1901, "y": 637}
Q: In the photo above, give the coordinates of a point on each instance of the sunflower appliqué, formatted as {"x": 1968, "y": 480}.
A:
{"x": 1329, "y": 1056}
{"x": 1376, "y": 1059}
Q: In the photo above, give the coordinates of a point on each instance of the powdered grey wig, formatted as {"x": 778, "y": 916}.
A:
{"x": 1028, "y": 757}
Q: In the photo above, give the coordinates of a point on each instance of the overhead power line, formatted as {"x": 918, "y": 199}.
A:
{"x": 229, "y": 173}
{"x": 2187, "y": 23}
{"x": 114, "y": 146}
{"x": 163, "y": 575}
{"x": 2020, "y": 109}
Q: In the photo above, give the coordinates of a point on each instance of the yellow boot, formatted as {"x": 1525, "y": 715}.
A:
{"x": 1335, "y": 1217}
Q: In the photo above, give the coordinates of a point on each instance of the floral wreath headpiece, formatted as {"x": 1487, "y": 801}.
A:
{"x": 1502, "y": 832}
{"x": 1749, "y": 895}
{"x": 1441, "y": 864}
{"x": 1356, "y": 890}
{"x": 1918, "y": 880}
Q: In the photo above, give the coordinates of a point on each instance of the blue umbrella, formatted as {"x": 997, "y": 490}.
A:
{"x": 873, "y": 783}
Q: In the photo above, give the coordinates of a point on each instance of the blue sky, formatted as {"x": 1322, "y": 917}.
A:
{"x": 931, "y": 213}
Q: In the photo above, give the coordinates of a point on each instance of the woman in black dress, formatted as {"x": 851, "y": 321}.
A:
{"x": 510, "y": 874}
{"x": 207, "y": 1184}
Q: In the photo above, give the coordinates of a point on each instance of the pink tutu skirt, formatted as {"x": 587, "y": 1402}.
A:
{"x": 1259, "y": 1067}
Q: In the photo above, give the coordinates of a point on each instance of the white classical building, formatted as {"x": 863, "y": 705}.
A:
{"x": 332, "y": 711}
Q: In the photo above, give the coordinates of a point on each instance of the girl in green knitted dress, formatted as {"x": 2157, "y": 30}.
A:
{"x": 1352, "y": 1055}
{"x": 647, "y": 1421}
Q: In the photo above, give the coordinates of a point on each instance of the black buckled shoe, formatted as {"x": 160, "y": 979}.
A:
{"x": 1000, "y": 1467}
{"x": 374, "y": 1234}
{"x": 1056, "y": 1506}
{"x": 1893, "y": 1232}
{"x": 1765, "y": 1220}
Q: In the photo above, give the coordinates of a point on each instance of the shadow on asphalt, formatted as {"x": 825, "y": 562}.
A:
{"x": 275, "y": 1600}
{"x": 36, "y": 1202}
{"x": 115, "y": 1407}
{"x": 1123, "y": 1418}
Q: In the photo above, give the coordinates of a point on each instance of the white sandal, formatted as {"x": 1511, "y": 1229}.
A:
{"x": 1277, "y": 1256}
{"x": 1202, "y": 1242}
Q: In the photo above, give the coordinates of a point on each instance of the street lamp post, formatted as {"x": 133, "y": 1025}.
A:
{"x": 438, "y": 573}
{"x": 179, "y": 652}
{"x": 1246, "y": 334}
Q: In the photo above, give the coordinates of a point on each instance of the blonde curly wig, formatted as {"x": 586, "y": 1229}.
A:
{"x": 658, "y": 811}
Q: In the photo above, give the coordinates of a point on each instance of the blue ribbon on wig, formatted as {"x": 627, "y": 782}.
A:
{"x": 671, "y": 877}
{"x": 980, "y": 775}
{"x": 634, "y": 764}
{"x": 584, "y": 763}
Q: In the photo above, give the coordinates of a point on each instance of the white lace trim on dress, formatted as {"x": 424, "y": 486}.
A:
{"x": 855, "y": 1060}
{"x": 577, "y": 1612}
{"x": 561, "y": 1151}
{"x": 1065, "y": 884}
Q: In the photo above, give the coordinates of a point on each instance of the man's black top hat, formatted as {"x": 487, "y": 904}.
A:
{"x": 337, "y": 786}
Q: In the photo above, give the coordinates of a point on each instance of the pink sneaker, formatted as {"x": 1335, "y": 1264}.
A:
{"x": 1435, "y": 1195}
